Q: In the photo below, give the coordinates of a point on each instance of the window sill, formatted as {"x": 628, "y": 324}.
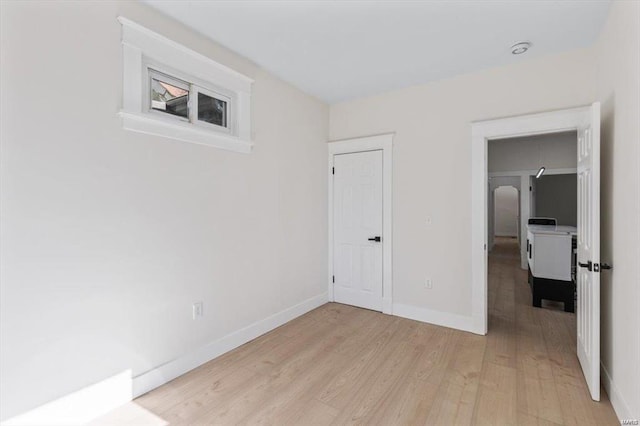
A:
{"x": 183, "y": 132}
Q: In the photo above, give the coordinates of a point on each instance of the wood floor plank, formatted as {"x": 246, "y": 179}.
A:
{"x": 209, "y": 374}
{"x": 349, "y": 381}
{"x": 320, "y": 377}
{"x": 529, "y": 420}
{"x": 536, "y": 389}
{"x": 341, "y": 365}
{"x": 501, "y": 346}
{"x": 455, "y": 401}
{"x": 496, "y": 403}
{"x": 310, "y": 412}
{"x": 283, "y": 372}
{"x": 277, "y": 406}
{"x": 409, "y": 404}
{"x": 377, "y": 391}
{"x": 434, "y": 361}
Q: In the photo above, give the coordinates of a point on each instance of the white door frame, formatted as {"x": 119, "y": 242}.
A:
{"x": 349, "y": 146}
{"x": 481, "y": 133}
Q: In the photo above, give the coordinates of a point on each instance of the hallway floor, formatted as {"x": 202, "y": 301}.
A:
{"x": 540, "y": 345}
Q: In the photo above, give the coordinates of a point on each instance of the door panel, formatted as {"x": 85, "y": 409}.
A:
{"x": 357, "y": 217}
{"x": 588, "y": 275}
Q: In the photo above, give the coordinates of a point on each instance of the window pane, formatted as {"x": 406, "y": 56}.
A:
{"x": 212, "y": 110}
{"x": 168, "y": 98}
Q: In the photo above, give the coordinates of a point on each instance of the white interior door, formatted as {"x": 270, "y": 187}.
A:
{"x": 588, "y": 271}
{"x": 358, "y": 239}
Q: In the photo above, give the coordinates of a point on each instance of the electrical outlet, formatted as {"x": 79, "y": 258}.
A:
{"x": 197, "y": 310}
{"x": 427, "y": 221}
{"x": 428, "y": 284}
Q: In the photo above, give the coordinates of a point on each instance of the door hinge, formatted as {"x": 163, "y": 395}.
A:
{"x": 333, "y": 170}
{"x": 333, "y": 278}
{"x": 530, "y": 188}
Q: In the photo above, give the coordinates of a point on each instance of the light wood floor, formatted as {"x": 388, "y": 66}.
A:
{"x": 343, "y": 365}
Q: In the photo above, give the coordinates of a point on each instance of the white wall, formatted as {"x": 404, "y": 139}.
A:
{"x": 109, "y": 236}
{"x": 506, "y": 211}
{"x": 557, "y": 196}
{"x": 432, "y": 156}
{"x": 618, "y": 88}
{"x": 554, "y": 151}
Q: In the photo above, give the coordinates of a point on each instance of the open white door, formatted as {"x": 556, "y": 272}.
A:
{"x": 588, "y": 271}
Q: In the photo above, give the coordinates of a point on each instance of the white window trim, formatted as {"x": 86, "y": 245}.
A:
{"x": 144, "y": 49}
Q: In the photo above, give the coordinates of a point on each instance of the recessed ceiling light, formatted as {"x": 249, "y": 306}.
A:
{"x": 520, "y": 48}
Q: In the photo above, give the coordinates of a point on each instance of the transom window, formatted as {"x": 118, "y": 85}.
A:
{"x": 169, "y": 95}
{"x": 212, "y": 110}
{"x": 187, "y": 101}
{"x": 174, "y": 92}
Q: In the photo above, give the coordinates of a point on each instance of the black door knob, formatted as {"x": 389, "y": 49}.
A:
{"x": 376, "y": 239}
{"x": 587, "y": 265}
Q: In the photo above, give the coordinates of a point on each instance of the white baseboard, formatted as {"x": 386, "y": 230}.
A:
{"x": 620, "y": 406}
{"x": 152, "y": 379}
{"x": 445, "y": 319}
{"x": 79, "y": 408}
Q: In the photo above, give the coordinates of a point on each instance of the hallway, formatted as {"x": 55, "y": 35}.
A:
{"x": 535, "y": 349}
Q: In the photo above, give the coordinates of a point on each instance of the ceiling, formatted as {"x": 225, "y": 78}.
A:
{"x": 341, "y": 50}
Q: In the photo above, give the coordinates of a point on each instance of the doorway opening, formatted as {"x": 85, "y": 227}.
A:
{"x": 514, "y": 166}
{"x": 506, "y": 212}
{"x": 585, "y": 122}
